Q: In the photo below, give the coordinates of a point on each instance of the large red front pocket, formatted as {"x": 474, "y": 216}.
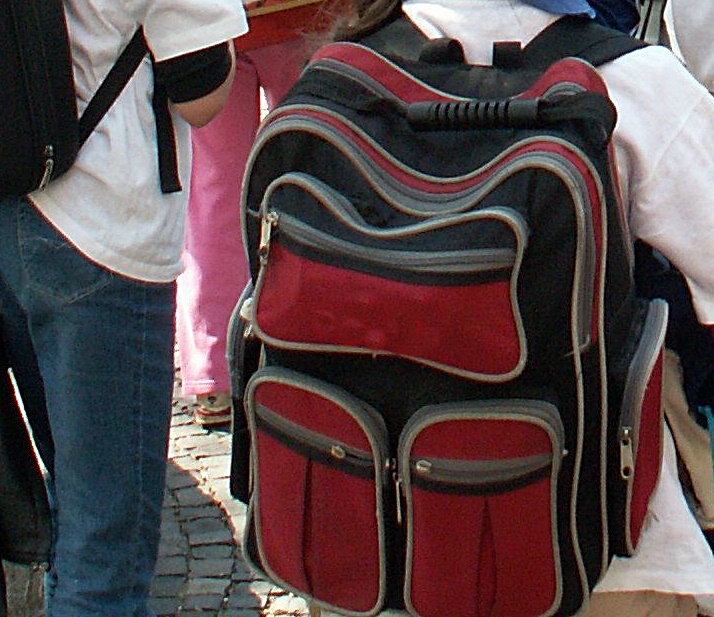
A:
{"x": 480, "y": 481}
{"x": 319, "y": 469}
{"x": 371, "y": 292}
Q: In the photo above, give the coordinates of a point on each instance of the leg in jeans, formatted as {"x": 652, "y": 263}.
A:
{"x": 104, "y": 347}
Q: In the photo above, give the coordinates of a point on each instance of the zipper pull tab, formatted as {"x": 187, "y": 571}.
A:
{"x": 246, "y": 314}
{"x": 398, "y": 489}
{"x": 627, "y": 456}
{"x": 49, "y": 167}
{"x": 270, "y": 220}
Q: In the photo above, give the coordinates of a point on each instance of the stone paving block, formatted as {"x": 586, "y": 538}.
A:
{"x": 172, "y": 565}
{"x": 208, "y": 531}
{"x": 242, "y": 596}
{"x": 241, "y": 570}
{"x": 240, "y": 612}
{"x": 191, "y": 513}
{"x": 195, "y": 441}
{"x": 210, "y": 568}
{"x": 165, "y": 607}
{"x": 213, "y": 449}
{"x": 188, "y": 463}
{"x": 204, "y": 603}
{"x": 192, "y": 497}
{"x": 214, "y": 551}
{"x": 178, "y": 478}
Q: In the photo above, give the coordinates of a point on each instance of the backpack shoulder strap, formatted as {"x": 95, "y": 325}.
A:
{"x": 399, "y": 37}
{"x": 568, "y": 36}
{"x": 581, "y": 38}
{"x": 110, "y": 89}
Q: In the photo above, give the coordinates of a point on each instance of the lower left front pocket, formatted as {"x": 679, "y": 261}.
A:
{"x": 319, "y": 466}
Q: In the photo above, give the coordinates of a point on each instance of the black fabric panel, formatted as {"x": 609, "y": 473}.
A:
{"x": 192, "y": 76}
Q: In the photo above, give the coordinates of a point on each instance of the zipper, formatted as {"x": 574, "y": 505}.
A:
{"x": 481, "y": 473}
{"x": 49, "y": 167}
{"x": 268, "y": 223}
{"x": 488, "y": 474}
{"x": 367, "y": 418}
{"x": 453, "y": 261}
{"x": 465, "y": 261}
{"x": 642, "y": 365}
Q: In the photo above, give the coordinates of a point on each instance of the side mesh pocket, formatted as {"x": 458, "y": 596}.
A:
{"x": 320, "y": 467}
{"x": 480, "y": 481}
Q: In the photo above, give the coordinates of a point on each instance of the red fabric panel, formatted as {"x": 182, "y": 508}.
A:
{"x": 318, "y": 525}
{"x": 482, "y": 439}
{"x": 649, "y": 452}
{"x": 471, "y": 327}
{"x": 282, "y": 481}
{"x": 342, "y": 541}
{"x": 411, "y": 90}
{"x": 490, "y": 555}
{"x": 313, "y": 411}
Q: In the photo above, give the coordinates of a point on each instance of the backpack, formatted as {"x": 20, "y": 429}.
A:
{"x": 447, "y": 391}
{"x": 25, "y": 518}
{"x": 41, "y": 131}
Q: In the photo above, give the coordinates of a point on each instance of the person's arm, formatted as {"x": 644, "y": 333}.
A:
{"x": 198, "y": 84}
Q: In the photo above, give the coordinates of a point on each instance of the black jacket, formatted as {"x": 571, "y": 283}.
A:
{"x": 25, "y": 525}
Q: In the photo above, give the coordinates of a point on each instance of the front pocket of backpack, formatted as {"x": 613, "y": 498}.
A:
{"x": 332, "y": 282}
{"x": 640, "y": 432}
{"x": 480, "y": 484}
{"x": 319, "y": 459}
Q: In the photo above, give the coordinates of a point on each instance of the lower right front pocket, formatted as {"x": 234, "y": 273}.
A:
{"x": 480, "y": 481}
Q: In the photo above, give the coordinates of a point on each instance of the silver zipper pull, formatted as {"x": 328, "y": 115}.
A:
{"x": 270, "y": 220}
{"x": 627, "y": 456}
{"x": 246, "y": 314}
{"x": 398, "y": 489}
{"x": 49, "y": 167}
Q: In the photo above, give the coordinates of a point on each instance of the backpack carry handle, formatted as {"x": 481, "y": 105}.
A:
{"x": 475, "y": 113}
{"x": 511, "y": 113}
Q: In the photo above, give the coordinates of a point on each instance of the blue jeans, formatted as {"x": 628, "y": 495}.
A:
{"x": 98, "y": 348}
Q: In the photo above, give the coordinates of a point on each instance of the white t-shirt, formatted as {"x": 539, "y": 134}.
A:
{"x": 665, "y": 162}
{"x": 689, "y": 24}
{"x": 109, "y": 205}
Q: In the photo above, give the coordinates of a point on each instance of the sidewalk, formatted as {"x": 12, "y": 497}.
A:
{"x": 200, "y": 571}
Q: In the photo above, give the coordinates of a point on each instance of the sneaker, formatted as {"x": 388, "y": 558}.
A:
{"x": 213, "y": 409}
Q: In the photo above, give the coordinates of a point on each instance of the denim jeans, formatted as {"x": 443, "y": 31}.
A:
{"x": 98, "y": 348}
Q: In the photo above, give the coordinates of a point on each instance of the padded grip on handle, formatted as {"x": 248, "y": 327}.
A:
{"x": 473, "y": 113}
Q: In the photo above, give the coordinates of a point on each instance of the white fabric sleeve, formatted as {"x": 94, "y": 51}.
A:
{"x": 690, "y": 21}
{"x": 177, "y": 27}
{"x": 665, "y": 159}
